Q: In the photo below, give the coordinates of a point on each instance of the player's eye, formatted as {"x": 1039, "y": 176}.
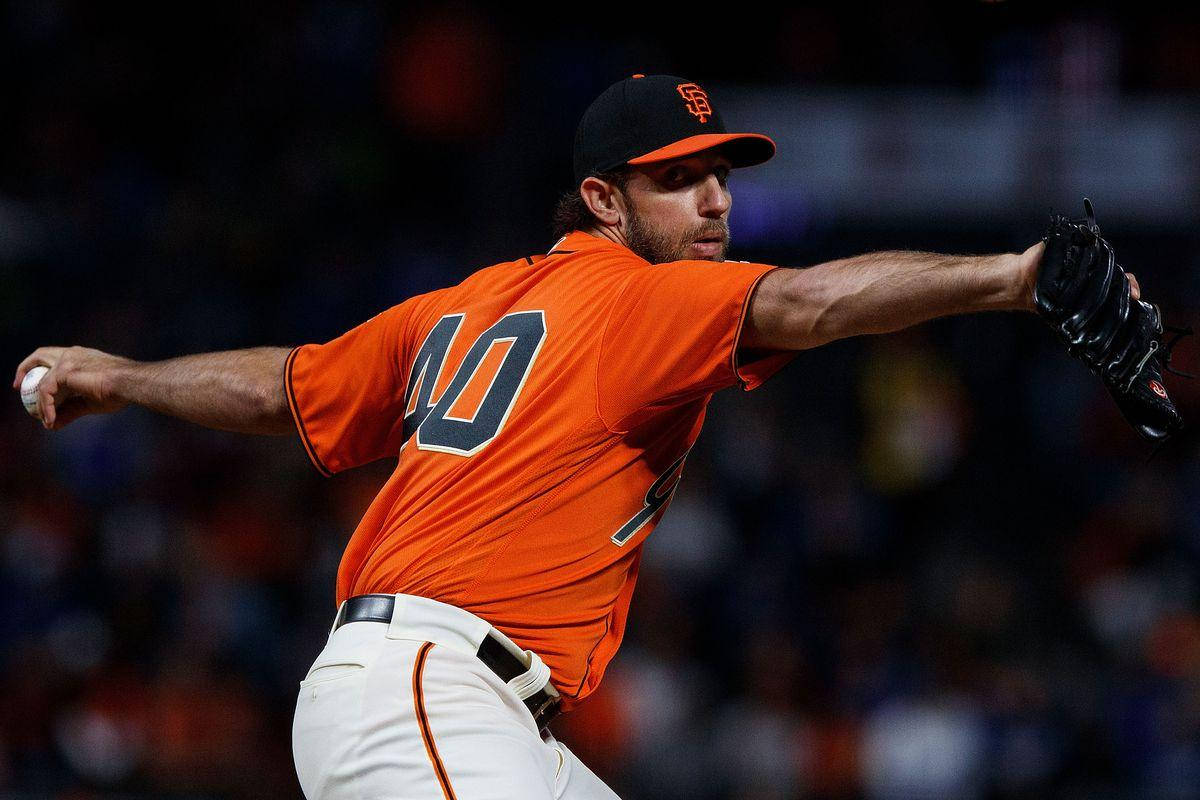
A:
{"x": 676, "y": 176}
{"x": 722, "y": 174}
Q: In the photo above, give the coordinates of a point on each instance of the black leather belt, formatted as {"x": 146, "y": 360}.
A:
{"x": 378, "y": 608}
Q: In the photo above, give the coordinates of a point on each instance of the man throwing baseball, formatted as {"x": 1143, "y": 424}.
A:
{"x": 542, "y": 412}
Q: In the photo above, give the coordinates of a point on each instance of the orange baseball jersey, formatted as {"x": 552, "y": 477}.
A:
{"x": 541, "y": 412}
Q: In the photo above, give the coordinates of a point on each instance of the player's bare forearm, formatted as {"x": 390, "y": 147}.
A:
{"x": 237, "y": 390}
{"x": 794, "y": 309}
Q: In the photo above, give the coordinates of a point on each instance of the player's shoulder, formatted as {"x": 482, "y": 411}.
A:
{"x": 588, "y": 260}
{"x": 579, "y": 274}
{"x": 577, "y": 258}
{"x": 579, "y": 245}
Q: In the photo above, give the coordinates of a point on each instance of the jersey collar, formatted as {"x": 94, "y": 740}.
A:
{"x": 580, "y": 240}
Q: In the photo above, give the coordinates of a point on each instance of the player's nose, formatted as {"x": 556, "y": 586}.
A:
{"x": 714, "y": 198}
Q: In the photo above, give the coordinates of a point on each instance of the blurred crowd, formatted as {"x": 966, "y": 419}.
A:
{"x": 934, "y": 564}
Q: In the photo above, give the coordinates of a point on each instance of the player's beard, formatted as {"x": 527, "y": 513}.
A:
{"x": 660, "y": 247}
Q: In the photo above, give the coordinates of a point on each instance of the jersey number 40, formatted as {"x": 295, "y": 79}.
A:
{"x": 474, "y": 407}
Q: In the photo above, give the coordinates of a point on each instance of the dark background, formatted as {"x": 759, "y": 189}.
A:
{"x": 933, "y": 564}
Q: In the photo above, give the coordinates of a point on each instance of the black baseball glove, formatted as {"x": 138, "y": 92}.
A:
{"x": 1085, "y": 296}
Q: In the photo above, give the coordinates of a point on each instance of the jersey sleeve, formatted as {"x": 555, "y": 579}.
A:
{"x": 347, "y": 397}
{"x": 672, "y": 336}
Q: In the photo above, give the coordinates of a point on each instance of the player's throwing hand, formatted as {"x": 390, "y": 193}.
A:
{"x": 80, "y": 381}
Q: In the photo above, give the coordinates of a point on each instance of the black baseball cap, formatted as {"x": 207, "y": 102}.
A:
{"x": 649, "y": 118}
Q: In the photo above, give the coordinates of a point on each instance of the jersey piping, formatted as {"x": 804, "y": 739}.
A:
{"x": 293, "y": 407}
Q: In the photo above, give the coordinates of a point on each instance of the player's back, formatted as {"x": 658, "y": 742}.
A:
{"x": 541, "y": 410}
{"x": 500, "y": 414}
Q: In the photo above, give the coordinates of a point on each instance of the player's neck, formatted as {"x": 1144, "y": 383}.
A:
{"x": 611, "y": 233}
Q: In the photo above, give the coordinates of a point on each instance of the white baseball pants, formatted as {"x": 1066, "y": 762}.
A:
{"x": 406, "y": 710}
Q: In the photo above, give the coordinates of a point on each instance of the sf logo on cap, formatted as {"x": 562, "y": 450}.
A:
{"x": 696, "y": 99}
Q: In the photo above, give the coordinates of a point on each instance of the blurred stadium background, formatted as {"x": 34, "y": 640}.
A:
{"x": 935, "y": 564}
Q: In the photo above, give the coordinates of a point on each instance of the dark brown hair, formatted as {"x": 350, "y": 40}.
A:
{"x": 572, "y": 214}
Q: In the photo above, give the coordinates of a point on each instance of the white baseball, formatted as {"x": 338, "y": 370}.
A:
{"x": 29, "y": 389}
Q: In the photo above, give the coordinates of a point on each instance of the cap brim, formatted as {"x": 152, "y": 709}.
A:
{"x": 743, "y": 149}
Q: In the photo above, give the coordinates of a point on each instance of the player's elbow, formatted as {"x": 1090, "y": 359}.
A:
{"x": 271, "y": 412}
{"x": 265, "y": 403}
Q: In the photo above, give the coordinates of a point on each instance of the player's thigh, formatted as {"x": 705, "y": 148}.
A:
{"x": 356, "y": 732}
{"x": 482, "y": 734}
{"x": 489, "y": 744}
{"x": 328, "y": 721}
{"x": 415, "y": 721}
{"x": 375, "y": 720}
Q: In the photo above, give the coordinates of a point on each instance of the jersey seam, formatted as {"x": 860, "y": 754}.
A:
{"x": 297, "y": 419}
{"x": 587, "y": 664}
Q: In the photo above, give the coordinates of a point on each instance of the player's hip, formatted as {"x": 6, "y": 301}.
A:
{"x": 409, "y": 702}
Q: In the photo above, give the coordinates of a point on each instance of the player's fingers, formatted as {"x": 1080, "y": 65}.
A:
{"x": 45, "y": 396}
{"x": 51, "y": 394}
{"x": 43, "y": 356}
{"x": 1135, "y": 291}
{"x": 38, "y": 357}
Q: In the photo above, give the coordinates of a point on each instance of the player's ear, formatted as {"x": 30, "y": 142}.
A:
{"x": 604, "y": 200}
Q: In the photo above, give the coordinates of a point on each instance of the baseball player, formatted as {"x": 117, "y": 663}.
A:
{"x": 542, "y": 412}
